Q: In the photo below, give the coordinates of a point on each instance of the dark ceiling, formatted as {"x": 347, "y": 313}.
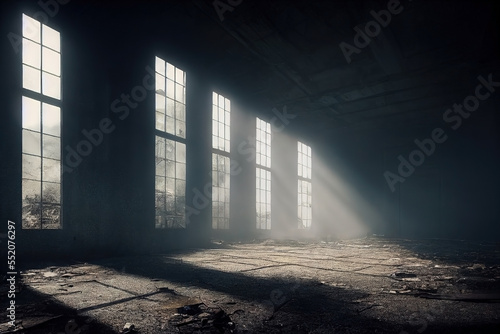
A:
{"x": 277, "y": 53}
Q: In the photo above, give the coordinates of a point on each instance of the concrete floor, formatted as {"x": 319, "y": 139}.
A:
{"x": 371, "y": 285}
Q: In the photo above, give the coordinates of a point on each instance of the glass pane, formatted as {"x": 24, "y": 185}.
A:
{"x": 31, "y": 53}
{"x": 180, "y": 111}
{"x": 51, "y": 171}
{"x": 51, "y": 147}
{"x": 31, "y": 142}
{"x": 160, "y": 65}
{"x": 31, "y": 28}
{"x": 181, "y": 153}
{"x": 170, "y": 88}
{"x": 51, "y": 214}
{"x": 160, "y": 84}
{"x": 170, "y": 71}
{"x": 220, "y": 103}
{"x": 51, "y": 119}
{"x": 215, "y": 113}
{"x": 221, "y": 115}
{"x": 32, "y": 167}
{"x": 170, "y": 125}
{"x": 215, "y": 128}
{"x": 170, "y": 146}
{"x": 31, "y": 114}
{"x": 181, "y": 129}
{"x": 51, "y": 85}
{"x": 180, "y": 187}
{"x": 160, "y": 166}
{"x": 179, "y": 205}
{"x": 170, "y": 185}
{"x": 228, "y": 105}
{"x": 160, "y": 184}
{"x": 180, "y": 171}
{"x": 31, "y": 78}
{"x": 160, "y": 121}
{"x": 51, "y": 61}
{"x": 160, "y": 147}
{"x": 179, "y": 76}
{"x": 31, "y": 202}
{"x": 179, "y": 93}
{"x": 170, "y": 107}
{"x": 170, "y": 168}
{"x": 160, "y": 103}
{"x": 51, "y": 192}
{"x": 51, "y": 38}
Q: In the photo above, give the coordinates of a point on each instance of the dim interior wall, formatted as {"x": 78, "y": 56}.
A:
{"x": 454, "y": 194}
{"x": 108, "y": 196}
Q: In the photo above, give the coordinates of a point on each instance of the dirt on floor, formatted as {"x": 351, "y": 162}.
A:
{"x": 370, "y": 285}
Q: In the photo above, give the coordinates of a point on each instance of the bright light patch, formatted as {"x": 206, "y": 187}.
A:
{"x": 41, "y": 126}
{"x": 263, "y": 174}
{"x": 170, "y": 98}
{"x": 304, "y": 170}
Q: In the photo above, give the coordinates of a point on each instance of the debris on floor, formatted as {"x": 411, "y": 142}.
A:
{"x": 369, "y": 285}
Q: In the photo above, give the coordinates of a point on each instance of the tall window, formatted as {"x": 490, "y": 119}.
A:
{"x": 41, "y": 126}
{"x": 170, "y": 179}
{"x": 221, "y": 109}
{"x": 304, "y": 186}
{"x": 263, "y": 175}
